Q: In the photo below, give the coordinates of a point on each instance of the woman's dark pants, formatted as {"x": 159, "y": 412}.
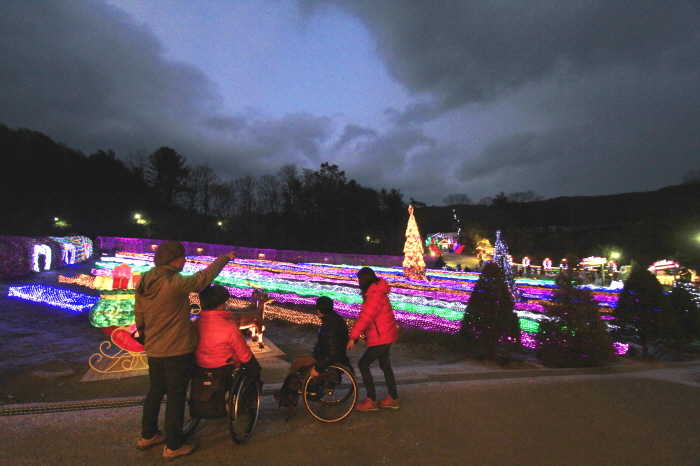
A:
{"x": 167, "y": 376}
{"x": 373, "y": 353}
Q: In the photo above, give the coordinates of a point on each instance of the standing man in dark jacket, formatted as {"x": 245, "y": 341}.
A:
{"x": 163, "y": 316}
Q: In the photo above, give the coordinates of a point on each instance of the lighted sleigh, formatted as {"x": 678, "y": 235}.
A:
{"x": 123, "y": 353}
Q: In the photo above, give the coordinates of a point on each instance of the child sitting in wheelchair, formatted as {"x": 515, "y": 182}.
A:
{"x": 329, "y": 349}
{"x": 220, "y": 349}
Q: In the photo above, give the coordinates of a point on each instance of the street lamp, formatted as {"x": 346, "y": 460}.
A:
{"x": 137, "y": 216}
{"x": 220, "y": 223}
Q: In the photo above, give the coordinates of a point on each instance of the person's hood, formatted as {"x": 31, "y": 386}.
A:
{"x": 380, "y": 287}
{"x": 152, "y": 281}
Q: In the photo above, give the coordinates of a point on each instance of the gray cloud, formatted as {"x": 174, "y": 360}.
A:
{"x": 593, "y": 97}
{"x": 468, "y": 51}
{"x": 90, "y": 76}
{"x": 558, "y": 97}
{"x": 351, "y": 133}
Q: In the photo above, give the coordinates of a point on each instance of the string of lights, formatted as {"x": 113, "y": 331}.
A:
{"x": 56, "y": 297}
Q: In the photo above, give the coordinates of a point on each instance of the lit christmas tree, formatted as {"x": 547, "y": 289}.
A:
{"x": 501, "y": 257}
{"x": 413, "y": 263}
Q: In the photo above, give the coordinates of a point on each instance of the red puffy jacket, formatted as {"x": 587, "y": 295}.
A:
{"x": 220, "y": 341}
{"x": 376, "y": 320}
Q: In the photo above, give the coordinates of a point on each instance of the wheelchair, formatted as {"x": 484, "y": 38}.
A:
{"x": 243, "y": 400}
{"x": 331, "y": 396}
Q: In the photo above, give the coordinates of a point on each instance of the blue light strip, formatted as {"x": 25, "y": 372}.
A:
{"x": 57, "y": 297}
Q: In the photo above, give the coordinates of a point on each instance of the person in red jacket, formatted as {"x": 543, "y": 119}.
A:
{"x": 376, "y": 321}
{"x": 220, "y": 340}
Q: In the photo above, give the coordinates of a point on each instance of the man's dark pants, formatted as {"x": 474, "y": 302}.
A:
{"x": 167, "y": 376}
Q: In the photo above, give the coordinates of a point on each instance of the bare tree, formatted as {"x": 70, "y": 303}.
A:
{"x": 199, "y": 185}
{"x": 223, "y": 199}
{"x": 269, "y": 194}
{"x": 245, "y": 193}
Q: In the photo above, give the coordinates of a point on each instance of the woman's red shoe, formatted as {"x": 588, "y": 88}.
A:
{"x": 389, "y": 403}
{"x": 368, "y": 404}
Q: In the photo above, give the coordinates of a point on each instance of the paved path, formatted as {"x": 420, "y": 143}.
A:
{"x": 641, "y": 418}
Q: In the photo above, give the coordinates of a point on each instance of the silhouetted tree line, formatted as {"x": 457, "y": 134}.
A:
{"x": 644, "y": 226}
{"x": 98, "y": 194}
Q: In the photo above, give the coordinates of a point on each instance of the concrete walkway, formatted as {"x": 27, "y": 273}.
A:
{"x": 634, "y": 417}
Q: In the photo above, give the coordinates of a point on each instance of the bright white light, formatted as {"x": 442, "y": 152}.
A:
{"x": 39, "y": 250}
{"x": 68, "y": 253}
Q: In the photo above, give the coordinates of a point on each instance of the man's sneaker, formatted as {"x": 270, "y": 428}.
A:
{"x": 367, "y": 405}
{"x": 184, "y": 450}
{"x": 144, "y": 443}
{"x": 389, "y": 403}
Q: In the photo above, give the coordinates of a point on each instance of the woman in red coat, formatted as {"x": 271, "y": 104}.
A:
{"x": 376, "y": 321}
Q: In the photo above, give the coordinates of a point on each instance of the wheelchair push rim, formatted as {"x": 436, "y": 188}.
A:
{"x": 244, "y": 409}
{"x": 331, "y": 396}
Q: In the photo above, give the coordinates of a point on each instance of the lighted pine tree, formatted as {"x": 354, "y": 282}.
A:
{"x": 501, "y": 257}
{"x": 413, "y": 263}
{"x": 575, "y": 336}
{"x": 490, "y": 325}
{"x": 640, "y": 308}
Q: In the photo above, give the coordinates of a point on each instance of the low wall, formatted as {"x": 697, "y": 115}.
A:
{"x": 145, "y": 245}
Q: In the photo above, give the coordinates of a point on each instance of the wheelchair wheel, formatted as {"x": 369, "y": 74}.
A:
{"x": 244, "y": 407}
{"x": 331, "y": 396}
{"x": 190, "y": 423}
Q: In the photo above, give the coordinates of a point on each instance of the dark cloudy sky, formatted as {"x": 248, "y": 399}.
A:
{"x": 432, "y": 97}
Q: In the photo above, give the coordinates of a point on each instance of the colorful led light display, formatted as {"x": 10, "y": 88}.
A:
{"x": 56, "y": 297}
{"x": 437, "y": 305}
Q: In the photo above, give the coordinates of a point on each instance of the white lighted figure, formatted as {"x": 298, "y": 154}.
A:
{"x": 69, "y": 253}
{"x": 41, "y": 250}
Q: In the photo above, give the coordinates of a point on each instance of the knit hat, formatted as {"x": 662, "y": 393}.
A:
{"x": 324, "y": 304}
{"x": 168, "y": 251}
{"x": 213, "y": 296}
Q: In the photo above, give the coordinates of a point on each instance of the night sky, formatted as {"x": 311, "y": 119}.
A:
{"x": 562, "y": 97}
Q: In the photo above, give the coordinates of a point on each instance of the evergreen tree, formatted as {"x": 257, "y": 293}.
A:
{"x": 413, "y": 262}
{"x": 575, "y": 336}
{"x": 640, "y": 307}
{"x": 501, "y": 257}
{"x": 490, "y": 324}
{"x": 682, "y": 324}
{"x": 168, "y": 172}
